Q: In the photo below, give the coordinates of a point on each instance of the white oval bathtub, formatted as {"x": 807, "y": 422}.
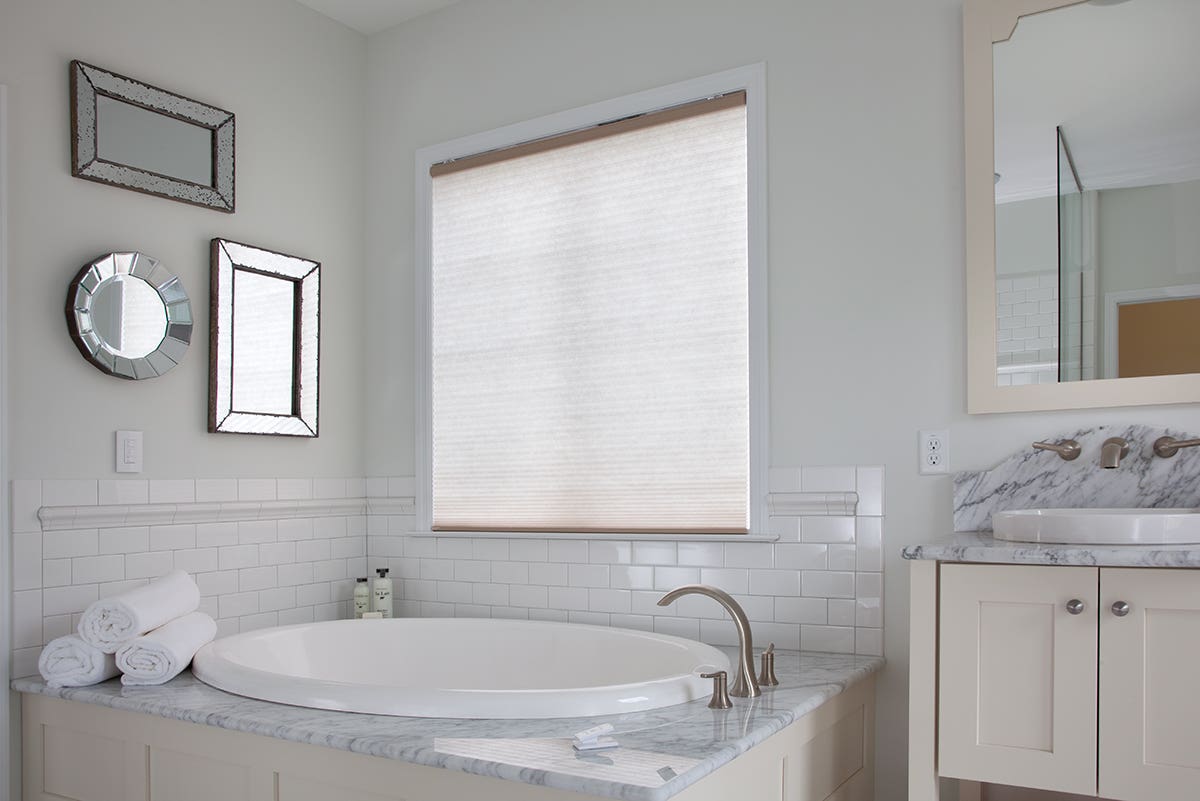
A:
{"x": 461, "y": 668}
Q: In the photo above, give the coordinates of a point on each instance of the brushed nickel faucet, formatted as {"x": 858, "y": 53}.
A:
{"x": 1112, "y": 452}
{"x": 1068, "y": 449}
{"x": 1166, "y": 447}
{"x": 746, "y": 683}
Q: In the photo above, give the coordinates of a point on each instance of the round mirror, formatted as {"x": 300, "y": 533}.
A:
{"x": 129, "y": 316}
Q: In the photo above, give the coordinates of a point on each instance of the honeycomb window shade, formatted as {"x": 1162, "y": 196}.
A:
{"x": 590, "y": 330}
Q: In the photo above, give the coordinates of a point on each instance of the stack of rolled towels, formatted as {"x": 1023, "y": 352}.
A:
{"x": 149, "y": 634}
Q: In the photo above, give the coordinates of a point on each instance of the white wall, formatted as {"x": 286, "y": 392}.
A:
{"x": 295, "y": 81}
{"x": 866, "y": 224}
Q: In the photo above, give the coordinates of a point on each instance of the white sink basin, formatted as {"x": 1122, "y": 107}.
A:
{"x": 1099, "y": 526}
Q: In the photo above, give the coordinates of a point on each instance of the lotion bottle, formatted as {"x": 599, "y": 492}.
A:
{"x": 383, "y": 592}
{"x": 362, "y": 597}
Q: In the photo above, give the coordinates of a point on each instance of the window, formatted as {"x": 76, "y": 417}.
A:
{"x": 589, "y": 322}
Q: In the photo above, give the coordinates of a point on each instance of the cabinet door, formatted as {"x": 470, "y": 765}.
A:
{"x": 1017, "y": 676}
{"x": 1149, "y": 700}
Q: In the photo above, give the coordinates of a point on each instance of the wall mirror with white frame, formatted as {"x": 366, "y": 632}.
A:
{"x": 1082, "y": 123}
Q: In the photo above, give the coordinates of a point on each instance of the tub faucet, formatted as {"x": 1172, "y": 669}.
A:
{"x": 1112, "y": 452}
{"x": 746, "y": 683}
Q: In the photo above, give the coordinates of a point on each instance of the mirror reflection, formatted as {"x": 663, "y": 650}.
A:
{"x": 158, "y": 143}
{"x": 1097, "y": 161}
{"x": 264, "y": 339}
{"x": 129, "y": 315}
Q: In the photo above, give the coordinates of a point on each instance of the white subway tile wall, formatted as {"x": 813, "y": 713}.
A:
{"x": 819, "y": 587}
{"x": 1027, "y": 329}
{"x": 251, "y": 573}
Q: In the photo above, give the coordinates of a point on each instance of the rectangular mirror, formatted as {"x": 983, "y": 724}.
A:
{"x": 1082, "y": 129}
{"x": 264, "y": 343}
{"x": 129, "y": 134}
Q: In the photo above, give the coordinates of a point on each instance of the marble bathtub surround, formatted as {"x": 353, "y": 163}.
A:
{"x": 1038, "y": 479}
{"x": 690, "y": 739}
{"x": 983, "y": 548}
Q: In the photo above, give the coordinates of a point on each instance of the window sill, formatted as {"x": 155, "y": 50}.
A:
{"x": 541, "y": 535}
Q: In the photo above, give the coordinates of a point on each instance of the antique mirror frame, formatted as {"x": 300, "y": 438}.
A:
{"x": 986, "y": 22}
{"x": 177, "y": 315}
{"x": 304, "y": 276}
{"x": 89, "y": 83}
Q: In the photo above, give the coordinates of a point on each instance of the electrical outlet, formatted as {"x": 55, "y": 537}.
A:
{"x": 934, "y": 452}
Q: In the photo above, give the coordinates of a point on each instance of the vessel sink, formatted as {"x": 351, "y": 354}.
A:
{"x": 1099, "y": 526}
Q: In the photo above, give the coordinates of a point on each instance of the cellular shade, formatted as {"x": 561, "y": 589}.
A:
{"x": 590, "y": 330}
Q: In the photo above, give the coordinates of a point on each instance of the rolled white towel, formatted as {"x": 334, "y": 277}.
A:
{"x": 162, "y": 654}
{"x": 70, "y": 662}
{"x": 111, "y": 622}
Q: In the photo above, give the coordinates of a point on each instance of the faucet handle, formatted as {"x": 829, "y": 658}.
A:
{"x": 720, "y": 696}
{"x": 1068, "y": 449}
{"x": 766, "y": 675}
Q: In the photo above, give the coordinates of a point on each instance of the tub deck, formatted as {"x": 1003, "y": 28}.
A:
{"x": 663, "y": 752}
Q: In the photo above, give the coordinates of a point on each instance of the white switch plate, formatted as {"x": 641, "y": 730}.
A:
{"x": 934, "y": 453}
{"x": 129, "y": 452}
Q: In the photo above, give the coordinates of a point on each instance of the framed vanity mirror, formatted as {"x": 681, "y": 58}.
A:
{"x": 129, "y": 315}
{"x": 265, "y": 342}
{"x": 130, "y": 134}
{"x": 1082, "y": 140}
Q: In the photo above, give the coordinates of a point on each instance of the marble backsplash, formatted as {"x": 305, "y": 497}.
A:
{"x": 1032, "y": 479}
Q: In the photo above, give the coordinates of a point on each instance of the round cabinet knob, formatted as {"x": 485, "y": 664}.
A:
{"x": 1120, "y": 609}
{"x": 1075, "y": 606}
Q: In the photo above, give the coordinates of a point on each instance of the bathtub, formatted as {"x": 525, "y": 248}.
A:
{"x": 461, "y": 668}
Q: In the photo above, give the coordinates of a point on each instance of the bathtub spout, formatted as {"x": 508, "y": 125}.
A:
{"x": 746, "y": 683}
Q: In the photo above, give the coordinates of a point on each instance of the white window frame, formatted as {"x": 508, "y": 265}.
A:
{"x": 752, "y": 80}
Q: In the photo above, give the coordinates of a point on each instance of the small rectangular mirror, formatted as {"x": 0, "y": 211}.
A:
{"x": 265, "y": 342}
{"x": 129, "y": 134}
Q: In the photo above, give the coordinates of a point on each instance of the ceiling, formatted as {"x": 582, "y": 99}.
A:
{"x": 1122, "y": 80}
{"x": 373, "y": 16}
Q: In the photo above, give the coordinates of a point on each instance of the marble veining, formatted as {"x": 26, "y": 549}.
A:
{"x": 1031, "y": 479}
{"x": 697, "y": 740}
{"x": 980, "y": 547}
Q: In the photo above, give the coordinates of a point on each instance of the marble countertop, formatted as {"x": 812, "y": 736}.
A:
{"x": 662, "y": 751}
{"x": 982, "y": 547}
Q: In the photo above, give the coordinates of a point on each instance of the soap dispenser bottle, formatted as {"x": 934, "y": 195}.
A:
{"x": 362, "y": 597}
{"x": 383, "y": 592}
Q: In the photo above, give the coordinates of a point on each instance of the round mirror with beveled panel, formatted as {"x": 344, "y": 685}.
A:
{"x": 129, "y": 315}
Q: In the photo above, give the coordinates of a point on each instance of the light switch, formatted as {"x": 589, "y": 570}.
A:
{"x": 129, "y": 451}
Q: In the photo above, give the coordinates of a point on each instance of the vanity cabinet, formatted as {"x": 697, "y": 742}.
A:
{"x": 1074, "y": 679}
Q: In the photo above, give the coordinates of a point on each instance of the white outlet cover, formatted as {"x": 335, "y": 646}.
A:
{"x": 933, "y": 456}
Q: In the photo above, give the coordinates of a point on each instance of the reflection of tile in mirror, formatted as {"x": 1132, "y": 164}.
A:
{"x": 137, "y": 137}
{"x": 263, "y": 343}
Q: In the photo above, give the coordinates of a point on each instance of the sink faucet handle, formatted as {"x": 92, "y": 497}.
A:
{"x": 1166, "y": 447}
{"x": 766, "y": 675}
{"x": 720, "y": 696}
{"x": 1068, "y": 450}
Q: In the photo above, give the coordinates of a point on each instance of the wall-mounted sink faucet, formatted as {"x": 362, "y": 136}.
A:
{"x": 746, "y": 683}
{"x": 1112, "y": 452}
{"x": 1166, "y": 447}
{"x": 1068, "y": 449}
